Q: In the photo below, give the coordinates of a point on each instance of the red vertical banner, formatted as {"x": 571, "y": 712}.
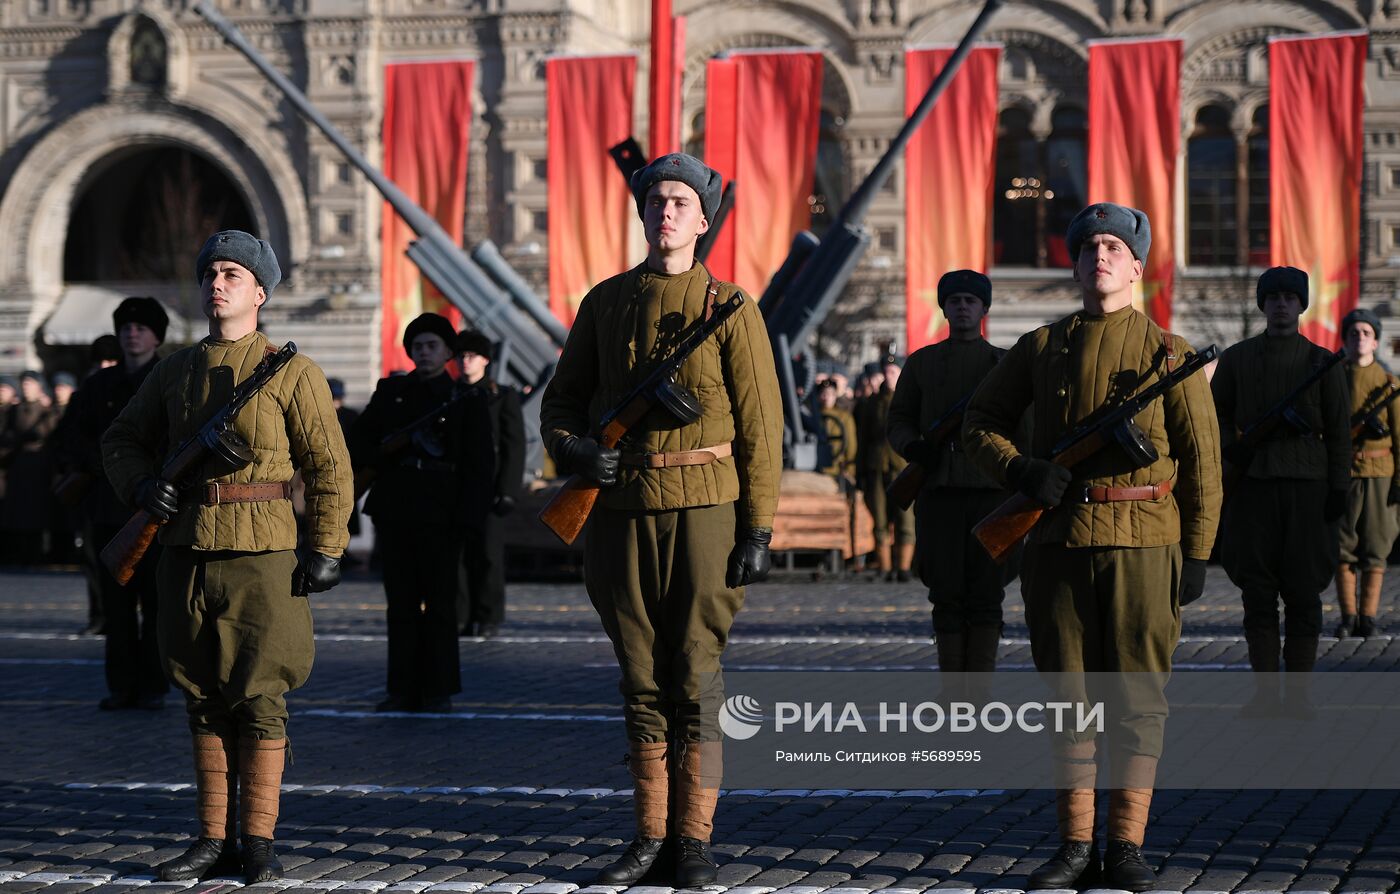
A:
{"x": 950, "y": 171}
{"x": 427, "y": 114}
{"x": 661, "y": 98}
{"x": 1316, "y": 96}
{"x": 721, "y": 150}
{"x": 1134, "y": 140}
{"x": 763, "y": 119}
{"x": 589, "y": 108}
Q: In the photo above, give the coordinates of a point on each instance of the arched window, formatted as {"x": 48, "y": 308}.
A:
{"x": 148, "y": 54}
{"x": 1040, "y": 186}
{"x": 1257, "y": 184}
{"x": 1014, "y": 215}
{"x": 1212, "y": 190}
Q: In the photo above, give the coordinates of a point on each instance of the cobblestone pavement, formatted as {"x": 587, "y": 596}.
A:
{"x": 520, "y": 790}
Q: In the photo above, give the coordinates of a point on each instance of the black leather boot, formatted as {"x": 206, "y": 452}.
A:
{"x": 260, "y": 863}
{"x": 1124, "y": 867}
{"x": 1346, "y": 627}
{"x": 634, "y": 863}
{"x": 206, "y": 858}
{"x": 1075, "y": 865}
{"x": 694, "y": 865}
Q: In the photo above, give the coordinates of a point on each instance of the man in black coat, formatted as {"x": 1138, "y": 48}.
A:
{"x": 427, "y": 494}
{"x": 481, "y": 601}
{"x": 135, "y": 677}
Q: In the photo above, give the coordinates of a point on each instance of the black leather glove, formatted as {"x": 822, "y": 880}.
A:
{"x": 588, "y": 458}
{"x": 749, "y": 562}
{"x": 315, "y": 573}
{"x": 504, "y": 504}
{"x": 1039, "y": 479}
{"x": 1335, "y": 506}
{"x": 1393, "y": 498}
{"x": 158, "y": 497}
{"x": 921, "y": 452}
{"x": 1193, "y": 581}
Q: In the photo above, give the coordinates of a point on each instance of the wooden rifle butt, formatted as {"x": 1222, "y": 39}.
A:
{"x": 906, "y": 486}
{"x": 1008, "y": 525}
{"x": 569, "y": 508}
{"x": 124, "y": 552}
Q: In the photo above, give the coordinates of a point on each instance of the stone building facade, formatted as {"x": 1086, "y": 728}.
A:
{"x": 124, "y": 121}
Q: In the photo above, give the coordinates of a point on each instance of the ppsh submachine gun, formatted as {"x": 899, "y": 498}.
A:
{"x": 214, "y": 451}
{"x": 1001, "y": 531}
{"x": 1366, "y": 422}
{"x": 910, "y": 480}
{"x": 568, "y": 510}
{"x": 1282, "y": 418}
{"x": 419, "y": 432}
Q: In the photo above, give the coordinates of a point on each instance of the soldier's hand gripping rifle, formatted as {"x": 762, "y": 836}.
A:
{"x": 1012, "y": 520}
{"x": 567, "y": 511}
{"x": 1282, "y": 417}
{"x": 395, "y": 441}
{"x": 1366, "y": 422}
{"x": 213, "y": 451}
{"x": 910, "y": 480}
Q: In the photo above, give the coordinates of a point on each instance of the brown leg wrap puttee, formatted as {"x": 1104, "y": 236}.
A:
{"x": 651, "y": 787}
{"x": 216, "y": 779}
{"x": 1128, "y": 807}
{"x": 260, "y": 763}
{"x": 1346, "y": 589}
{"x": 1371, "y": 580}
{"x": 699, "y": 769}
{"x": 904, "y": 553}
{"x": 1074, "y": 802}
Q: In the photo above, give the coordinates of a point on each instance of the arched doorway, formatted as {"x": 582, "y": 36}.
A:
{"x": 142, "y": 215}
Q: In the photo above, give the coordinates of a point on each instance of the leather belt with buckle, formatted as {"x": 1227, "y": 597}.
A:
{"x": 702, "y": 457}
{"x": 1100, "y": 494}
{"x": 256, "y": 492}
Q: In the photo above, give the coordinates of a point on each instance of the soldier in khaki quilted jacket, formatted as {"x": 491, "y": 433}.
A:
{"x": 1367, "y": 529}
{"x": 1278, "y": 538}
{"x": 685, "y": 515}
{"x": 965, "y": 586}
{"x": 1123, "y": 545}
{"x": 234, "y": 624}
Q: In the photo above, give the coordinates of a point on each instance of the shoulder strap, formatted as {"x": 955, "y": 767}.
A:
{"x": 1168, "y": 351}
{"x": 711, "y": 298}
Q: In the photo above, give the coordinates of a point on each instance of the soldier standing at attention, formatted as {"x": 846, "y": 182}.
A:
{"x": 965, "y": 586}
{"x": 840, "y": 434}
{"x": 686, "y": 521}
{"x": 1107, "y": 569}
{"x": 1278, "y": 537}
{"x": 878, "y": 464}
{"x": 481, "y": 598}
{"x": 1368, "y": 527}
{"x": 135, "y": 677}
{"x": 426, "y": 494}
{"x": 233, "y": 633}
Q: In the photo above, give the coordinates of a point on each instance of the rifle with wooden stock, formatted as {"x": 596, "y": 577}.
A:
{"x": 1000, "y": 531}
{"x": 1366, "y": 422}
{"x": 1282, "y": 416}
{"x": 910, "y": 480}
{"x": 569, "y": 508}
{"x": 396, "y": 440}
{"x": 216, "y": 450}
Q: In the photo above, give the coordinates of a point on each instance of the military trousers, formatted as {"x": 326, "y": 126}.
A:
{"x": 132, "y": 651}
{"x": 1111, "y": 612}
{"x": 657, "y": 581}
{"x": 1275, "y": 545}
{"x": 1366, "y": 531}
{"x": 481, "y": 597}
{"x": 964, "y": 584}
{"x": 885, "y": 515}
{"x": 422, "y": 573}
{"x": 234, "y": 639}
